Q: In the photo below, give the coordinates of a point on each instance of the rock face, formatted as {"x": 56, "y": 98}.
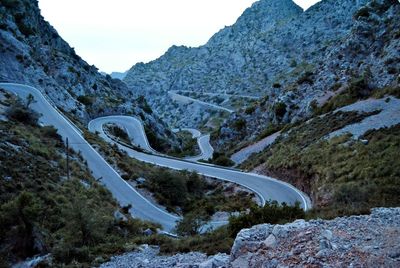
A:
{"x": 358, "y": 241}
{"x": 277, "y": 51}
{"x": 147, "y": 256}
{"x": 33, "y": 53}
{"x": 355, "y": 241}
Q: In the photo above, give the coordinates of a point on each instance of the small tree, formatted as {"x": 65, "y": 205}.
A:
{"x": 21, "y": 113}
{"x": 29, "y": 100}
{"x": 191, "y": 224}
{"x": 280, "y": 109}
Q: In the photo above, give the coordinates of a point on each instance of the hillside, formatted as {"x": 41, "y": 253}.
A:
{"x": 279, "y": 53}
{"x": 33, "y": 53}
{"x": 363, "y": 63}
{"x": 43, "y": 212}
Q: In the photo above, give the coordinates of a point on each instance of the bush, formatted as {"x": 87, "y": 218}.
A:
{"x": 85, "y": 100}
{"x": 305, "y": 78}
{"x": 240, "y": 124}
{"x": 276, "y": 85}
{"x": 250, "y": 110}
{"x": 51, "y": 132}
{"x": 272, "y": 213}
{"x": 271, "y": 129}
{"x": 25, "y": 29}
{"x": 20, "y": 113}
{"x": 362, "y": 13}
{"x": 20, "y": 58}
{"x": 280, "y": 109}
{"x": 221, "y": 159}
{"x": 359, "y": 88}
{"x": 191, "y": 223}
{"x": 12, "y": 4}
{"x": 392, "y": 70}
{"x": 144, "y": 105}
{"x": 119, "y": 133}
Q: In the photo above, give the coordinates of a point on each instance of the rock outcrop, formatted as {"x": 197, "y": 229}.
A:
{"x": 147, "y": 256}
{"x": 355, "y": 241}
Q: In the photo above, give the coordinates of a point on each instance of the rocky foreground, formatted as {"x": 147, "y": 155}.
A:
{"x": 356, "y": 241}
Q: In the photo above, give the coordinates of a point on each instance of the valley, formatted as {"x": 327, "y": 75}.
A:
{"x": 276, "y": 143}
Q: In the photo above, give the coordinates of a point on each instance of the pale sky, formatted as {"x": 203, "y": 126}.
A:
{"x": 114, "y": 35}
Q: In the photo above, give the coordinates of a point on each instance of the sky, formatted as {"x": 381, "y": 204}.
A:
{"x": 114, "y": 35}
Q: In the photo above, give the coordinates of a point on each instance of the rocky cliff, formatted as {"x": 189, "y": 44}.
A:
{"x": 278, "y": 52}
{"x": 367, "y": 52}
{"x": 33, "y": 53}
{"x": 356, "y": 241}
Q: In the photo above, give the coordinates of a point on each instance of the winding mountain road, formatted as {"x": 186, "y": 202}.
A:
{"x": 204, "y": 144}
{"x": 265, "y": 187}
{"x": 185, "y": 99}
{"x": 135, "y": 130}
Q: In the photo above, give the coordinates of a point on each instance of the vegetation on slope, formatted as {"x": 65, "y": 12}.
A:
{"x": 180, "y": 192}
{"x": 342, "y": 175}
{"x": 42, "y": 211}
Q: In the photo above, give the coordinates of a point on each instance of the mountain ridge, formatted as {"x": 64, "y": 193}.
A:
{"x": 247, "y": 60}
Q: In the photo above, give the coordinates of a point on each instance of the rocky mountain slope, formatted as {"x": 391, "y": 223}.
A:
{"x": 33, "y": 53}
{"x": 356, "y": 241}
{"x": 277, "y": 51}
{"x": 363, "y": 62}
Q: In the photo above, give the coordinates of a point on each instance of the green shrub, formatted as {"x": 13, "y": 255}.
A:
{"x": 239, "y": 124}
{"x": 359, "y": 88}
{"x": 12, "y": 4}
{"x": 221, "y": 159}
{"x": 392, "y": 70}
{"x": 21, "y": 113}
{"x": 191, "y": 223}
{"x": 250, "y": 110}
{"x": 280, "y": 109}
{"x": 276, "y": 85}
{"x": 271, "y": 129}
{"x": 51, "y": 132}
{"x": 305, "y": 78}
{"x": 85, "y": 100}
{"x": 20, "y": 58}
{"x": 25, "y": 29}
{"x": 362, "y": 13}
{"x": 119, "y": 132}
{"x": 272, "y": 213}
{"x": 144, "y": 105}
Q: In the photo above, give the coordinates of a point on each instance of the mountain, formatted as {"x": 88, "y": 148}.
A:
{"x": 33, "y": 53}
{"x": 280, "y": 53}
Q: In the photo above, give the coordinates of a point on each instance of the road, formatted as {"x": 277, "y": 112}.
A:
{"x": 216, "y": 94}
{"x": 267, "y": 188}
{"x": 134, "y": 127}
{"x": 204, "y": 144}
{"x": 176, "y": 97}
